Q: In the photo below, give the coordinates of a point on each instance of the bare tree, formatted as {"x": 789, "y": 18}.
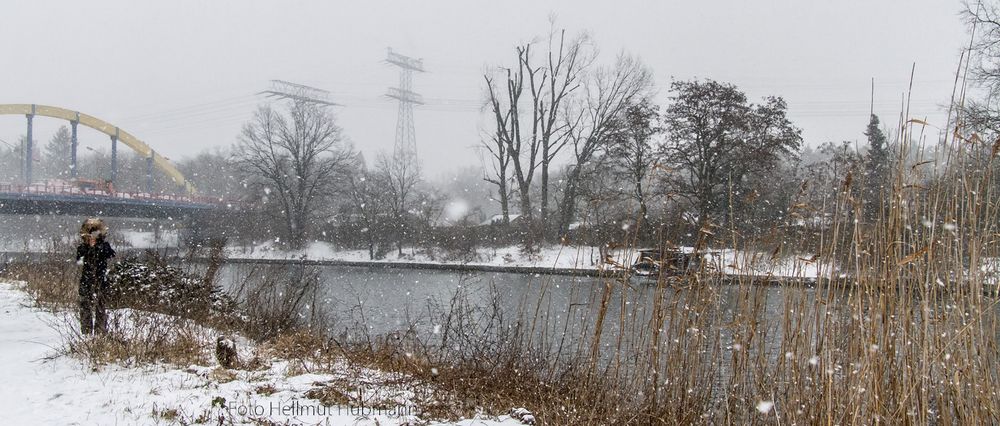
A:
{"x": 981, "y": 114}
{"x": 534, "y": 146}
{"x": 296, "y": 157}
{"x": 632, "y": 153}
{"x": 499, "y": 161}
{"x": 368, "y": 206}
{"x": 566, "y": 65}
{"x": 590, "y": 124}
{"x": 402, "y": 174}
{"x": 213, "y": 172}
{"x": 983, "y": 19}
{"x": 505, "y": 106}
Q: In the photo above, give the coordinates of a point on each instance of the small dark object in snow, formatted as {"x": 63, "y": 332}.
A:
{"x": 412, "y": 421}
{"x": 225, "y": 352}
{"x": 523, "y": 415}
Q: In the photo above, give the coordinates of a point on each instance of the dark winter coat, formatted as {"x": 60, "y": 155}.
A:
{"x": 95, "y": 265}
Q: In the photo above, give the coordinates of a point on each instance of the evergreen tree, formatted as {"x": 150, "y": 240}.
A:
{"x": 57, "y": 154}
{"x": 877, "y": 165}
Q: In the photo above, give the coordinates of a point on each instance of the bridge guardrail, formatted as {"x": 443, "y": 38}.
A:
{"x": 67, "y": 189}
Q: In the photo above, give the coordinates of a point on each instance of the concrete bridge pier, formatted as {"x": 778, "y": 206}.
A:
{"x": 28, "y": 148}
{"x": 114, "y": 157}
{"x": 74, "y": 144}
{"x": 149, "y": 172}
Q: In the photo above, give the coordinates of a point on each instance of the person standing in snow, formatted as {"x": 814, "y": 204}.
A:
{"x": 93, "y": 253}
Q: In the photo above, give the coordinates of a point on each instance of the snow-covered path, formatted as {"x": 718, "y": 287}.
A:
{"x": 39, "y": 386}
{"x": 34, "y": 390}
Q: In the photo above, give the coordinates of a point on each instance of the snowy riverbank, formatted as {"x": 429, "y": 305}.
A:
{"x": 561, "y": 259}
{"x": 43, "y": 385}
{"x": 576, "y": 260}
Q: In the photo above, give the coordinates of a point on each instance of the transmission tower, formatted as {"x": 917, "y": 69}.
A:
{"x": 298, "y": 92}
{"x": 406, "y": 138}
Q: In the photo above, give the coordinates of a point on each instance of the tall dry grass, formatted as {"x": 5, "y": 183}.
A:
{"x": 903, "y": 328}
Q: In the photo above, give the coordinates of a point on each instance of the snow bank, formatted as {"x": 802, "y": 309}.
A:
{"x": 752, "y": 263}
{"x": 44, "y": 387}
{"x": 727, "y": 261}
{"x": 569, "y": 257}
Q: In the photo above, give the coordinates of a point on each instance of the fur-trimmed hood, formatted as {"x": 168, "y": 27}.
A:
{"x": 94, "y": 227}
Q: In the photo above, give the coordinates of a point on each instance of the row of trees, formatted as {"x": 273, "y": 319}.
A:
{"x": 574, "y": 144}
{"x": 297, "y": 165}
{"x": 707, "y": 156}
{"x": 564, "y": 106}
{"x": 710, "y": 156}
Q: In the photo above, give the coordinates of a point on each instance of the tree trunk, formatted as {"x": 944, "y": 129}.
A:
{"x": 525, "y": 192}
{"x": 546, "y": 229}
{"x": 640, "y": 195}
{"x": 568, "y": 206}
{"x": 504, "y": 202}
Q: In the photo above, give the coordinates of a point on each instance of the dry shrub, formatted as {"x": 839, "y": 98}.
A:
{"x": 53, "y": 283}
{"x": 279, "y": 300}
{"x": 138, "y": 337}
{"x": 306, "y": 351}
{"x": 329, "y": 395}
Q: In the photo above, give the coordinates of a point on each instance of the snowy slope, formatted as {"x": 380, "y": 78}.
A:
{"x": 43, "y": 387}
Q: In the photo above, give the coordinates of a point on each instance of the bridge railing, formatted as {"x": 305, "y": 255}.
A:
{"x": 70, "y": 189}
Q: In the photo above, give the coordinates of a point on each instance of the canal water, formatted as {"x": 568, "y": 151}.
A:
{"x": 560, "y": 309}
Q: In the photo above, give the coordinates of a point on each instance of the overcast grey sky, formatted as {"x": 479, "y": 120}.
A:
{"x": 182, "y": 75}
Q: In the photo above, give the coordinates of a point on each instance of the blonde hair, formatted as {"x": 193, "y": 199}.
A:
{"x": 93, "y": 226}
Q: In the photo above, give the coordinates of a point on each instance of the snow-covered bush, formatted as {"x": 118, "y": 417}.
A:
{"x": 154, "y": 286}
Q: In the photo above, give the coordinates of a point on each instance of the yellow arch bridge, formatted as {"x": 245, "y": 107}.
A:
{"x": 76, "y": 118}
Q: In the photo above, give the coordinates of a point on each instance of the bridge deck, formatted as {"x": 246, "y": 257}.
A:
{"x": 45, "y": 198}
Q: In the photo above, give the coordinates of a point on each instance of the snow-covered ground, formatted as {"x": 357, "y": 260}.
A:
{"x": 44, "y": 386}
{"x": 731, "y": 262}
{"x": 571, "y": 257}
{"x": 728, "y": 261}
{"x": 149, "y": 240}
{"x": 752, "y": 263}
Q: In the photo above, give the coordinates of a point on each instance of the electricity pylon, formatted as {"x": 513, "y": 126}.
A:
{"x": 298, "y": 92}
{"x": 406, "y": 138}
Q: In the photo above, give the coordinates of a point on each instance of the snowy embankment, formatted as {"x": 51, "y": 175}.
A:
{"x": 758, "y": 264}
{"x": 581, "y": 258}
{"x": 43, "y": 385}
{"x": 568, "y": 258}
